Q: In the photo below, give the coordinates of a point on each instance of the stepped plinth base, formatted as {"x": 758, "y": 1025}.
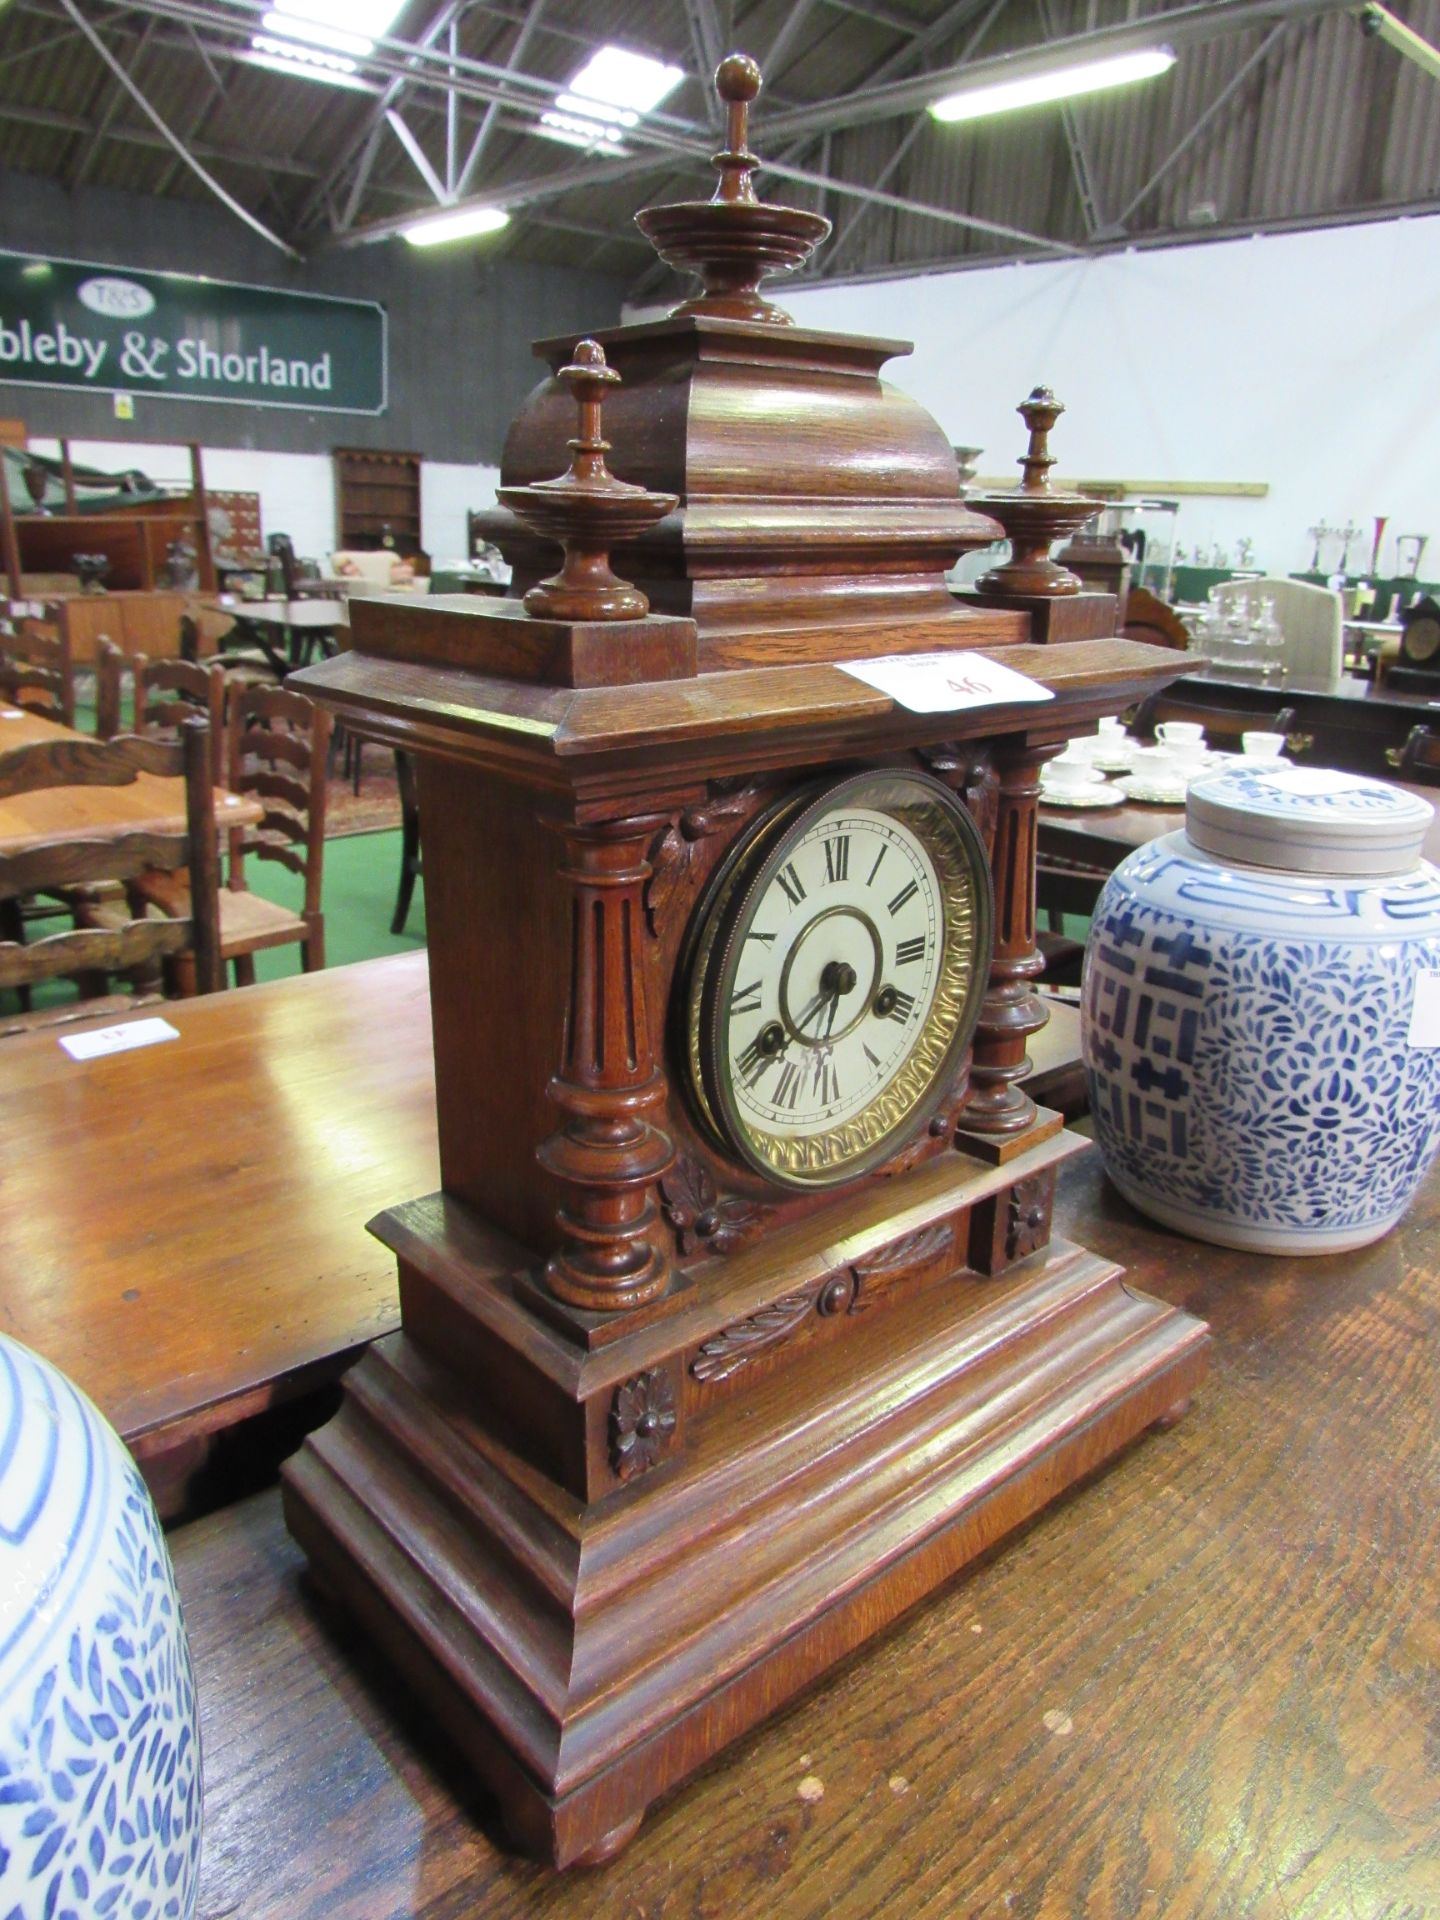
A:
{"x": 588, "y": 1657}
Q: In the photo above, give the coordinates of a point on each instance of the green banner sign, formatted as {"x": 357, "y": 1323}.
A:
{"x": 107, "y": 329}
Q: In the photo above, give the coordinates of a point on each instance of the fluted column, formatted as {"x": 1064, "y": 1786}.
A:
{"x": 1011, "y": 1011}
{"x": 607, "y": 1154}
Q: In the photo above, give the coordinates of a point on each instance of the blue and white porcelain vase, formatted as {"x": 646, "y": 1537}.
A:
{"x": 100, "y": 1796}
{"x": 1261, "y": 1012}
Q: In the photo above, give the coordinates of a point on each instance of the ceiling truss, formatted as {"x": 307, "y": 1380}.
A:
{"x": 446, "y": 116}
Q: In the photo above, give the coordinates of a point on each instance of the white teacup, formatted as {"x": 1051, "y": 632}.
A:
{"x": 1070, "y": 772}
{"x": 1110, "y": 729}
{"x": 1183, "y": 758}
{"x": 1263, "y": 746}
{"x": 1181, "y": 733}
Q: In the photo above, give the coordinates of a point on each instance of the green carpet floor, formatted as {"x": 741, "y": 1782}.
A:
{"x": 362, "y": 874}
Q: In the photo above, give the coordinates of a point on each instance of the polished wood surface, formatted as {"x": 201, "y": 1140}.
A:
{"x": 182, "y": 1227}
{"x": 81, "y": 813}
{"x": 302, "y": 1107}
{"x": 1198, "y": 1688}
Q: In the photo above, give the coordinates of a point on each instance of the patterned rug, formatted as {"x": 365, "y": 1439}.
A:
{"x": 375, "y": 808}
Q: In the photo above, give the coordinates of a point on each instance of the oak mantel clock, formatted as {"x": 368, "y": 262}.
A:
{"x": 737, "y": 1324}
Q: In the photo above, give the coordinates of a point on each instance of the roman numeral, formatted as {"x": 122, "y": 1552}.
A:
{"x": 827, "y": 1083}
{"x": 752, "y": 1064}
{"x": 872, "y": 1058}
{"x": 787, "y": 1090}
{"x": 837, "y": 858}
{"x": 876, "y": 868}
{"x": 906, "y": 894}
{"x": 909, "y": 950}
{"x": 768, "y": 938}
{"x": 746, "y": 999}
{"x": 792, "y": 884}
{"x": 904, "y": 1006}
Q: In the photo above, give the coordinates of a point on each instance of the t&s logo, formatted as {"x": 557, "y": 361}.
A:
{"x": 116, "y": 299}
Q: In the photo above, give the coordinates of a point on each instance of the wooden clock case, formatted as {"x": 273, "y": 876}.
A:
{"x": 659, "y": 1443}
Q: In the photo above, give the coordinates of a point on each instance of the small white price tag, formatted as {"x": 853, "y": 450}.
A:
{"x": 946, "y": 682}
{"x": 1425, "y": 1012}
{"x": 1317, "y": 780}
{"x": 131, "y": 1033}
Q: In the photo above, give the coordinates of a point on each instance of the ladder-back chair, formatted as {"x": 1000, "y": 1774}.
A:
{"x": 132, "y": 944}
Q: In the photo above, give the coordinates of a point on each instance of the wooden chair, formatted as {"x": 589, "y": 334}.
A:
{"x": 1312, "y": 621}
{"x": 410, "y": 867}
{"x": 277, "y": 744}
{"x": 164, "y": 693}
{"x": 35, "y": 667}
{"x": 132, "y": 944}
{"x": 1419, "y": 758}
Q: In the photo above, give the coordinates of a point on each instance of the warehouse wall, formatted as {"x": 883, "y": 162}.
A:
{"x": 459, "y": 345}
{"x": 1306, "y": 360}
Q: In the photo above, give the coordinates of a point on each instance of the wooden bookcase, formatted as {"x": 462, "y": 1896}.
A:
{"x": 373, "y": 491}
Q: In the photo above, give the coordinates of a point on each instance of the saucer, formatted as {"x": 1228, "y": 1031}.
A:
{"x": 1097, "y": 793}
{"x": 1119, "y": 760}
{"x": 1153, "y": 790}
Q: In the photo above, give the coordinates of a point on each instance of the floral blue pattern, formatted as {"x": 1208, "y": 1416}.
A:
{"x": 1246, "y": 1041}
{"x": 100, "y": 1796}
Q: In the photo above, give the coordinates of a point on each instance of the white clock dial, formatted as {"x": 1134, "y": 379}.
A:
{"x": 841, "y": 976}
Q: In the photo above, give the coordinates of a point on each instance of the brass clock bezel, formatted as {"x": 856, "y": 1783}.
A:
{"x": 908, "y": 1101}
{"x": 1420, "y": 640}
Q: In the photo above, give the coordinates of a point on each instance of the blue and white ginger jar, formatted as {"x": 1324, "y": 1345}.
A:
{"x": 1261, "y": 1012}
{"x": 100, "y": 1796}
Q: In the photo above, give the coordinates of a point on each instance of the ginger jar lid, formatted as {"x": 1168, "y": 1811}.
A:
{"x": 1307, "y": 820}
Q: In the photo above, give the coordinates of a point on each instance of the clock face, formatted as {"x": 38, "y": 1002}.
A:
{"x": 1420, "y": 642}
{"x": 837, "y": 975}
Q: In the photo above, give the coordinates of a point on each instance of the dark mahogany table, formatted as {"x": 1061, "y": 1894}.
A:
{"x": 1202, "y": 1687}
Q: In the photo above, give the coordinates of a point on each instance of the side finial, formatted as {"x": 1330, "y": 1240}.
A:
{"x": 587, "y": 510}
{"x": 1039, "y": 412}
{"x": 1034, "y": 514}
{"x": 732, "y": 241}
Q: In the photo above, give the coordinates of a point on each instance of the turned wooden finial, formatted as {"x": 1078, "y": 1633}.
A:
{"x": 733, "y": 240}
{"x": 587, "y": 510}
{"x": 737, "y": 81}
{"x": 1034, "y": 514}
{"x": 1039, "y": 412}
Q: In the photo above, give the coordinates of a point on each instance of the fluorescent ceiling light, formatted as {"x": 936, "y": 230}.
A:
{"x": 622, "y": 79}
{"x": 1060, "y": 83}
{"x": 596, "y": 110}
{"x": 576, "y": 132}
{"x": 440, "y": 227}
{"x": 343, "y": 26}
{"x": 298, "y": 66}
{"x": 292, "y": 27}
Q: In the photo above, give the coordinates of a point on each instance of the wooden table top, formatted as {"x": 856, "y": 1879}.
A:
{"x": 1201, "y": 1687}
{"x": 82, "y": 813}
{"x": 182, "y": 1227}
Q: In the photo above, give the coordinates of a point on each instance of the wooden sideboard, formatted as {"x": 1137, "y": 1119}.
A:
{"x": 141, "y": 622}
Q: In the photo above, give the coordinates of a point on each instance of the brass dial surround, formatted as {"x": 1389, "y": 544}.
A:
{"x": 857, "y": 1001}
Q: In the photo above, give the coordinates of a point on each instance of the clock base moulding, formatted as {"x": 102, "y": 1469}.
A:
{"x": 656, "y": 1543}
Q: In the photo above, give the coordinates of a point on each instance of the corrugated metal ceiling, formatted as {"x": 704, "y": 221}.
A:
{"x": 1322, "y": 124}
